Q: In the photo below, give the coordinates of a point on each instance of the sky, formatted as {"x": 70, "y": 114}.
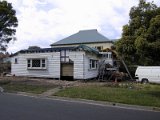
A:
{"x": 43, "y": 22}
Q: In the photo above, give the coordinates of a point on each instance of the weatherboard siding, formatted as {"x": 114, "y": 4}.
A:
{"x": 77, "y": 58}
{"x": 80, "y": 65}
{"x": 53, "y": 65}
{"x": 90, "y": 73}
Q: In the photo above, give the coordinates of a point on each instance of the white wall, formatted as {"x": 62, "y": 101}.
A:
{"x": 80, "y": 59}
{"x": 77, "y": 57}
{"x": 81, "y": 65}
{"x": 90, "y": 73}
{"x": 53, "y": 65}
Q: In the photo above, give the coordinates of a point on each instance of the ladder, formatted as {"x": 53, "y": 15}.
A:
{"x": 101, "y": 74}
{"x": 101, "y": 71}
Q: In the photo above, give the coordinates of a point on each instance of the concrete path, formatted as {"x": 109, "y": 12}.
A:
{"x": 50, "y": 92}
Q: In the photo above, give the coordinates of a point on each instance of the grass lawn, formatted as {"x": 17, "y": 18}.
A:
{"x": 136, "y": 94}
{"x": 19, "y": 87}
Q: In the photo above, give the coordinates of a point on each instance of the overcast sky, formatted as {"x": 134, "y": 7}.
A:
{"x": 43, "y": 22}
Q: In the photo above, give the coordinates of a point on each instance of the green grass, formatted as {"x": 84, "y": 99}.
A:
{"x": 136, "y": 94}
{"x": 36, "y": 89}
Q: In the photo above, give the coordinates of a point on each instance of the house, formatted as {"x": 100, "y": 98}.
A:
{"x": 61, "y": 62}
{"x": 91, "y": 38}
{"x": 74, "y": 57}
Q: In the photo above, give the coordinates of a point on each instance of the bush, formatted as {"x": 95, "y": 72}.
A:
{"x": 5, "y": 67}
{"x": 4, "y": 82}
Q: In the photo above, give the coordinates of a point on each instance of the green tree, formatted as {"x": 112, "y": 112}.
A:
{"x": 140, "y": 42}
{"x": 8, "y": 23}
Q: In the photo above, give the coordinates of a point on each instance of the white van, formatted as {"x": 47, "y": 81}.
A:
{"x": 146, "y": 74}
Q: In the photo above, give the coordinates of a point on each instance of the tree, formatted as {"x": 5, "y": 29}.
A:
{"x": 140, "y": 42}
{"x": 8, "y": 23}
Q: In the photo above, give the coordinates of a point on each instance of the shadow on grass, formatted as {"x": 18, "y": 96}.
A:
{"x": 154, "y": 94}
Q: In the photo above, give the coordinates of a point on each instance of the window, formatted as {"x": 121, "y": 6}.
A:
{"x": 107, "y": 55}
{"x": 16, "y": 61}
{"x": 93, "y": 64}
{"x": 64, "y": 56}
{"x": 29, "y": 63}
{"x": 43, "y": 63}
{"x": 100, "y": 48}
{"x": 36, "y": 63}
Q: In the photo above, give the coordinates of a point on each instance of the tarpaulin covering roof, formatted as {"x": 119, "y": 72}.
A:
{"x": 88, "y": 49}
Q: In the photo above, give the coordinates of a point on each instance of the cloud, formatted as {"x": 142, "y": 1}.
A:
{"x": 42, "y": 22}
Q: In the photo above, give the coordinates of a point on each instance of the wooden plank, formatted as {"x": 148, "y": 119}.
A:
{"x": 67, "y": 69}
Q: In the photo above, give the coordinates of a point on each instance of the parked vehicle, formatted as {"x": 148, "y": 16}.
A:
{"x": 145, "y": 74}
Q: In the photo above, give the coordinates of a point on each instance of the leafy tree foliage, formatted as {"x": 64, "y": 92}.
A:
{"x": 8, "y": 23}
{"x": 140, "y": 42}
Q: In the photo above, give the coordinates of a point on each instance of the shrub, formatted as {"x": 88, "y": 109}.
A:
{"x": 4, "y": 82}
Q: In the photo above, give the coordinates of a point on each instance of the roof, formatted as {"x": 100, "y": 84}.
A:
{"x": 43, "y": 50}
{"x": 83, "y": 36}
{"x": 57, "y": 49}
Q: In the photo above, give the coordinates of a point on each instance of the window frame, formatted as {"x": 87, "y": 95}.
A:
{"x": 43, "y": 63}
{"x": 107, "y": 55}
{"x": 100, "y": 48}
{"x": 64, "y": 57}
{"x": 93, "y": 64}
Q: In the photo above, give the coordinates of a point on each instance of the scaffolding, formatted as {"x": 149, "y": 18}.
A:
{"x": 107, "y": 71}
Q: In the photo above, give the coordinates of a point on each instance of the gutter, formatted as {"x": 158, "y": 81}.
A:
{"x": 81, "y": 43}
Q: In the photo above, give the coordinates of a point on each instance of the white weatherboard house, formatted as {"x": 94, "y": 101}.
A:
{"x": 73, "y": 57}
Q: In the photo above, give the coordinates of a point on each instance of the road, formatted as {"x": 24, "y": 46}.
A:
{"x": 18, "y": 107}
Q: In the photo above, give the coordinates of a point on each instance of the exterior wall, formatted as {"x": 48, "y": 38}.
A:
{"x": 81, "y": 65}
{"x": 90, "y": 73}
{"x": 53, "y": 65}
{"x": 105, "y": 45}
{"x": 78, "y": 66}
{"x": 80, "y": 59}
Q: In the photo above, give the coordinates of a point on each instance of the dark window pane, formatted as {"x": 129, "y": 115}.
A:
{"x": 90, "y": 66}
{"x": 43, "y": 65}
{"x": 36, "y": 63}
{"x": 29, "y": 65}
{"x": 29, "y": 61}
{"x": 16, "y": 61}
{"x": 93, "y": 63}
{"x": 43, "y": 61}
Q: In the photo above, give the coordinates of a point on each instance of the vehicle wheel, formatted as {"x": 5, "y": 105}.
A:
{"x": 144, "y": 81}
